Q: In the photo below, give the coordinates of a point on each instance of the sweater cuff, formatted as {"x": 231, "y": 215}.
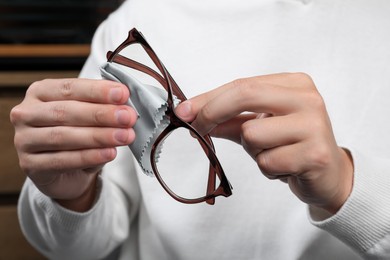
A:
{"x": 63, "y": 218}
{"x": 363, "y": 220}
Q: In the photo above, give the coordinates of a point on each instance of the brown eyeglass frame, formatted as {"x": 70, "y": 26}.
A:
{"x": 166, "y": 80}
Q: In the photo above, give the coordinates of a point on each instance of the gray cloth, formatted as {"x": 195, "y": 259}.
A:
{"x": 150, "y": 103}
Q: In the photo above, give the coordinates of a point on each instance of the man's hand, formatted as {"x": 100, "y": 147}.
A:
{"x": 66, "y": 130}
{"x": 282, "y": 122}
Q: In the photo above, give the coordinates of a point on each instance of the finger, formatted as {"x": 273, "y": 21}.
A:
{"x": 75, "y": 113}
{"x": 231, "y": 129}
{"x": 64, "y": 161}
{"x": 284, "y": 179}
{"x": 248, "y": 96}
{"x": 270, "y": 132}
{"x": 189, "y": 109}
{"x": 71, "y": 138}
{"x": 263, "y": 115}
{"x": 256, "y": 134}
{"x": 87, "y": 90}
{"x": 283, "y": 160}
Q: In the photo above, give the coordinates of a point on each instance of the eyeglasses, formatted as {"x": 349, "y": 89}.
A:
{"x": 165, "y": 79}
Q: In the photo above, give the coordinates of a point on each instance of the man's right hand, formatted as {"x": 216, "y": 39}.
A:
{"x": 66, "y": 130}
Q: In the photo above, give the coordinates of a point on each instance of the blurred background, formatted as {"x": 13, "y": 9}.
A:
{"x": 48, "y": 21}
{"x": 38, "y": 39}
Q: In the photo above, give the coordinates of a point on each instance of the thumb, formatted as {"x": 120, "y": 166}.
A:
{"x": 230, "y": 129}
{"x": 185, "y": 111}
{"x": 189, "y": 109}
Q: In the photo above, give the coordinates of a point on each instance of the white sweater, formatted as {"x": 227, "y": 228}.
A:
{"x": 343, "y": 45}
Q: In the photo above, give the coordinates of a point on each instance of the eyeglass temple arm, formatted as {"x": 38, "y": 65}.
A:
{"x": 135, "y": 36}
{"x": 145, "y": 69}
{"x": 140, "y": 67}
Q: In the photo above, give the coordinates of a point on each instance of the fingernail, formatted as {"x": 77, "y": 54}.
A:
{"x": 262, "y": 115}
{"x": 123, "y": 117}
{"x": 108, "y": 153}
{"x": 122, "y": 135}
{"x": 183, "y": 110}
{"x": 116, "y": 94}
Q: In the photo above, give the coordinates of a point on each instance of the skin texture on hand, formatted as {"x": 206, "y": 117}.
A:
{"x": 282, "y": 122}
{"x": 66, "y": 130}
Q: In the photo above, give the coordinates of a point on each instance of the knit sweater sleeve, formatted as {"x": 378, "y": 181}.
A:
{"x": 62, "y": 234}
{"x": 364, "y": 220}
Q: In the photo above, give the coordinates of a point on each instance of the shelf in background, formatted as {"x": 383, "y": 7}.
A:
{"x": 44, "y": 50}
{"x": 23, "y": 79}
{"x": 48, "y": 21}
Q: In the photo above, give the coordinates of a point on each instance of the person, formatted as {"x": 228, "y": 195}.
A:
{"x": 301, "y": 85}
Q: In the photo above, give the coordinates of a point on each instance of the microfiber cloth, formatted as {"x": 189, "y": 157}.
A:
{"x": 150, "y": 104}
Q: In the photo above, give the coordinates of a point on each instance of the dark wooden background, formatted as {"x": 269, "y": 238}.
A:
{"x": 38, "y": 39}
